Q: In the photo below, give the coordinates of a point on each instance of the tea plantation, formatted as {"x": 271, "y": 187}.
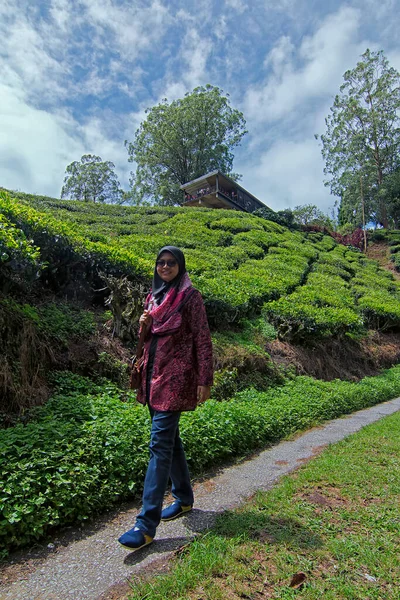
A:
{"x": 64, "y": 263}
{"x": 306, "y": 284}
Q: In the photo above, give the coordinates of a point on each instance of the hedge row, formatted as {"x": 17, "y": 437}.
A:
{"x": 378, "y": 296}
{"x": 86, "y": 449}
{"x": 16, "y": 250}
{"x": 323, "y": 306}
{"x": 52, "y": 236}
{"x": 237, "y": 260}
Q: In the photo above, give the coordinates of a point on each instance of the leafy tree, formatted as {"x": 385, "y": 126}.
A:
{"x": 92, "y": 180}
{"x": 362, "y": 139}
{"x": 182, "y": 140}
{"x": 309, "y": 214}
{"x": 391, "y": 191}
{"x": 282, "y": 217}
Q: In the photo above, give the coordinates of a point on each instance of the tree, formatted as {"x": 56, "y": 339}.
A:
{"x": 182, "y": 140}
{"x": 362, "y": 139}
{"x": 309, "y": 214}
{"x": 282, "y": 217}
{"x": 391, "y": 190}
{"x": 92, "y": 180}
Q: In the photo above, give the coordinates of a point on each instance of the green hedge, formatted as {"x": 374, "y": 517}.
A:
{"x": 237, "y": 260}
{"x": 17, "y": 252}
{"x": 86, "y": 450}
{"x": 396, "y": 260}
{"x": 377, "y": 295}
{"x": 323, "y": 306}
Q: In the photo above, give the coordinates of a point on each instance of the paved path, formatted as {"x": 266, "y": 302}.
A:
{"x": 96, "y": 567}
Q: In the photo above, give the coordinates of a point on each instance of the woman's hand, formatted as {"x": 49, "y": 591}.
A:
{"x": 146, "y": 319}
{"x": 203, "y": 393}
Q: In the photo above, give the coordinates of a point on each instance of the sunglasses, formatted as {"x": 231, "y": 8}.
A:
{"x": 166, "y": 263}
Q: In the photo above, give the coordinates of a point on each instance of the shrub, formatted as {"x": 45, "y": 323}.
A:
{"x": 84, "y": 451}
{"x": 380, "y": 309}
{"x": 18, "y": 254}
{"x": 378, "y": 235}
{"x": 396, "y": 260}
{"x": 354, "y": 239}
{"x": 323, "y": 307}
{"x": 72, "y": 460}
{"x": 237, "y": 260}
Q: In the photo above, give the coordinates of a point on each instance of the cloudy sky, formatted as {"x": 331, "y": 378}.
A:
{"x": 77, "y": 75}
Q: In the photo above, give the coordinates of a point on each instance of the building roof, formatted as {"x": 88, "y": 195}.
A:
{"x": 220, "y": 200}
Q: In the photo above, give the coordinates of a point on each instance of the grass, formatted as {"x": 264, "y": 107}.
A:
{"x": 335, "y": 521}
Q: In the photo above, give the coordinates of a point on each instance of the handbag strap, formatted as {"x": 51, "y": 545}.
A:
{"x": 140, "y": 346}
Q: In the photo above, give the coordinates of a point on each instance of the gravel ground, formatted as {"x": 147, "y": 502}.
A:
{"x": 88, "y": 563}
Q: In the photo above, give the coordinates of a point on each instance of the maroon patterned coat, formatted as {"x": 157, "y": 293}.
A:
{"x": 182, "y": 361}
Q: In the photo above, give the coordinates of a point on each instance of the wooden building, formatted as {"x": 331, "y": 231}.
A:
{"x": 216, "y": 190}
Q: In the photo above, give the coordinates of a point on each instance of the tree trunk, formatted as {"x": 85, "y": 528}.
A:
{"x": 363, "y": 214}
{"x": 379, "y": 165}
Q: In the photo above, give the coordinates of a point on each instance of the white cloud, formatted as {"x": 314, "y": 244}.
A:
{"x": 77, "y": 77}
{"x": 237, "y": 5}
{"x": 60, "y": 12}
{"x": 96, "y": 140}
{"x": 221, "y": 29}
{"x": 27, "y": 63}
{"x": 289, "y": 107}
{"x": 287, "y": 175}
{"x": 324, "y": 57}
{"x": 34, "y": 146}
{"x": 133, "y": 26}
{"x": 194, "y": 53}
{"x": 280, "y": 56}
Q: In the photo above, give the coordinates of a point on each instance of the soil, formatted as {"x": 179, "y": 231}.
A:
{"x": 379, "y": 251}
{"x": 339, "y": 358}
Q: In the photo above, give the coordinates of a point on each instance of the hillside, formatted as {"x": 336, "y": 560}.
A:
{"x": 283, "y": 306}
{"x": 74, "y": 275}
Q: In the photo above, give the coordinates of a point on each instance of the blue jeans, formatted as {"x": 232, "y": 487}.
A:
{"x": 167, "y": 460}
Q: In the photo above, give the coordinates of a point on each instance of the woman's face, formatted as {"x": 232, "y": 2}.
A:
{"x": 167, "y": 266}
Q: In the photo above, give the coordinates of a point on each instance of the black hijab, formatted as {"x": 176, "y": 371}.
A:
{"x": 160, "y": 287}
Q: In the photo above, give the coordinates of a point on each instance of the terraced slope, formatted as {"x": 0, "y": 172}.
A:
{"x": 72, "y": 457}
{"x": 304, "y": 283}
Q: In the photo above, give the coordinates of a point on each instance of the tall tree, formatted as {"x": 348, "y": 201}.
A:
{"x": 91, "y": 180}
{"x": 362, "y": 138}
{"x": 391, "y": 191}
{"x": 182, "y": 140}
{"x": 310, "y": 214}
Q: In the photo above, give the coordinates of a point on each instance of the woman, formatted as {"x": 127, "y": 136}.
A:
{"x": 177, "y": 376}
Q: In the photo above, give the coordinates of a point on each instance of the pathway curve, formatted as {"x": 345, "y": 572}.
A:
{"x": 96, "y": 567}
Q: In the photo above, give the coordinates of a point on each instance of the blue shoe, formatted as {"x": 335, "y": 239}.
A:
{"x": 175, "y": 510}
{"x": 134, "y": 539}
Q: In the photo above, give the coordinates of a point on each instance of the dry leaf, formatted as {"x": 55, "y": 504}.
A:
{"x": 298, "y": 580}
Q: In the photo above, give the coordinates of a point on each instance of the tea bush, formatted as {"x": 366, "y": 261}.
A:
{"x": 14, "y": 245}
{"x": 18, "y": 254}
{"x": 73, "y": 459}
{"x": 323, "y": 306}
{"x": 238, "y": 261}
{"x": 378, "y": 296}
{"x": 61, "y": 321}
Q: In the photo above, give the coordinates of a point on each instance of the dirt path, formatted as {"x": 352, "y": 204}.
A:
{"x": 380, "y": 253}
{"x": 88, "y": 563}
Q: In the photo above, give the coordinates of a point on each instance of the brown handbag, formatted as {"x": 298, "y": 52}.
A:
{"x": 135, "y": 380}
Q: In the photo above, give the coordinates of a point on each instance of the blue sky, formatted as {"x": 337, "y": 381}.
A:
{"x": 77, "y": 76}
